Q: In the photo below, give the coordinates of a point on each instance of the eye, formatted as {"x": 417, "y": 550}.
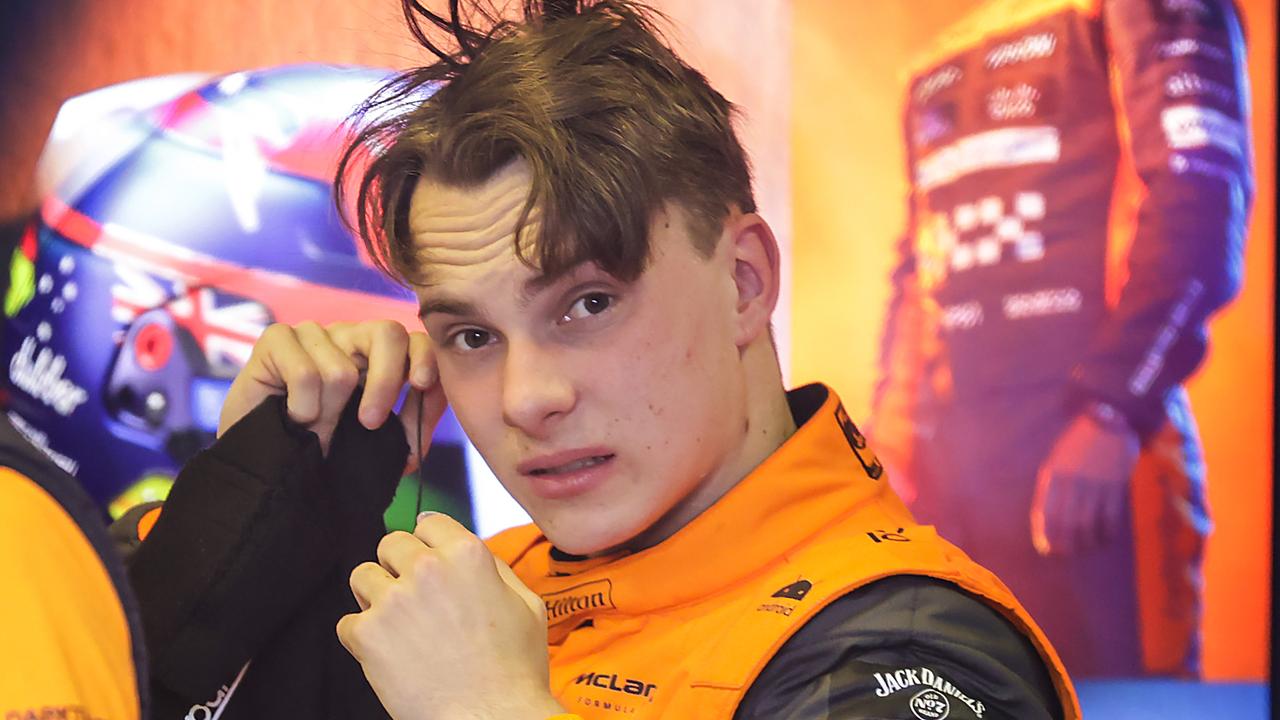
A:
{"x": 586, "y": 306}
{"x": 470, "y": 339}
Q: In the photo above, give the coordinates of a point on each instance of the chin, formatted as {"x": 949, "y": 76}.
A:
{"x": 594, "y": 538}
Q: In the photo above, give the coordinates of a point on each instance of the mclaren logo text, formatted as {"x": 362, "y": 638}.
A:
{"x": 611, "y": 681}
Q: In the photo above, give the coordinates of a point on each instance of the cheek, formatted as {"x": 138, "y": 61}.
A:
{"x": 472, "y": 398}
{"x": 675, "y": 369}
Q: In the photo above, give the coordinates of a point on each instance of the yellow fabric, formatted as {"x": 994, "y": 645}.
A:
{"x": 682, "y": 629}
{"x": 64, "y": 639}
{"x": 993, "y": 18}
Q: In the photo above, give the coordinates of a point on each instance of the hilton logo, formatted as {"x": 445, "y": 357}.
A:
{"x": 578, "y": 599}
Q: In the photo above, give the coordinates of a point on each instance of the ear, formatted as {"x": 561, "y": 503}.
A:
{"x": 756, "y": 273}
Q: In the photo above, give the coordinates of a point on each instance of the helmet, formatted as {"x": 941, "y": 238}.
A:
{"x": 170, "y": 234}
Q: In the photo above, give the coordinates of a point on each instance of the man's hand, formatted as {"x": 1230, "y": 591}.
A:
{"x": 446, "y": 630}
{"x": 1082, "y": 487}
{"x": 319, "y": 367}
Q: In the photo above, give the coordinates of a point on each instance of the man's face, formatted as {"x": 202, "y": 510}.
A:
{"x": 600, "y": 405}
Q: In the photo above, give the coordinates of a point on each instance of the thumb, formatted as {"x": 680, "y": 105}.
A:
{"x": 532, "y": 599}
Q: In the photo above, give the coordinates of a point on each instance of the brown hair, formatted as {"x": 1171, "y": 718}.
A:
{"x": 611, "y": 123}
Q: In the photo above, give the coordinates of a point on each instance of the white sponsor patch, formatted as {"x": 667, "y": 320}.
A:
{"x": 1189, "y": 84}
{"x": 936, "y": 696}
{"x": 1182, "y": 47}
{"x": 1028, "y": 47}
{"x": 962, "y": 316}
{"x": 1196, "y": 126}
{"x": 1013, "y": 103}
{"x": 1003, "y": 148}
{"x": 937, "y": 81}
{"x": 39, "y": 374}
{"x": 1180, "y": 164}
{"x": 40, "y": 439}
{"x": 1050, "y": 301}
{"x": 981, "y": 234}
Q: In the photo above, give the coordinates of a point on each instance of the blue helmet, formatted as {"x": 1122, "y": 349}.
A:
{"x": 174, "y": 232}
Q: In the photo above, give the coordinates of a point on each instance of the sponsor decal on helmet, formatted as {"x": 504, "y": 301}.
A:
{"x": 39, "y": 374}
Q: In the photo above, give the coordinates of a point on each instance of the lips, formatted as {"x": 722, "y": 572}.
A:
{"x": 569, "y": 473}
{"x": 571, "y": 466}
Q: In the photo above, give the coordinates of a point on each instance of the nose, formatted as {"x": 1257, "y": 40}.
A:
{"x": 536, "y": 389}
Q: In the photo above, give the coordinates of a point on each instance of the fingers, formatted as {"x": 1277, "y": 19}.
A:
{"x": 369, "y": 582}
{"x": 383, "y": 346}
{"x": 338, "y": 375}
{"x": 399, "y": 551}
{"x": 277, "y": 365}
{"x": 439, "y": 531}
{"x": 319, "y": 367}
{"x": 422, "y": 361}
{"x": 442, "y": 532}
{"x": 530, "y": 598}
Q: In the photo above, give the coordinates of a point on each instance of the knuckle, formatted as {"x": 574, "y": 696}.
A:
{"x": 385, "y": 543}
{"x": 341, "y": 376}
{"x": 274, "y": 333}
{"x": 351, "y": 632}
{"x": 305, "y": 375}
{"x": 426, "y": 566}
{"x": 388, "y": 329}
{"x": 360, "y": 571}
{"x": 470, "y": 549}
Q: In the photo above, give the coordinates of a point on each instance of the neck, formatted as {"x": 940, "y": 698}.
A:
{"x": 768, "y": 425}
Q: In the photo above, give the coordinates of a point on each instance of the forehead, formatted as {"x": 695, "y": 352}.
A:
{"x": 465, "y": 225}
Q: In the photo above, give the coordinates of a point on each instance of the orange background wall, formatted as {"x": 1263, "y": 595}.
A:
{"x": 849, "y": 204}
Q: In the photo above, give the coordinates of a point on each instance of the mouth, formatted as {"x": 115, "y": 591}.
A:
{"x": 563, "y": 475}
{"x": 571, "y": 467}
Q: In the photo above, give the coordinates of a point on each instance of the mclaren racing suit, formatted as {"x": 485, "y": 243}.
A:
{"x": 70, "y": 636}
{"x": 1080, "y": 175}
{"x": 807, "y": 593}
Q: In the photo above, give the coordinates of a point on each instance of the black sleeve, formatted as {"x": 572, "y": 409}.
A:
{"x": 1184, "y": 112}
{"x": 904, "y": 648}
{"x": 258, "y": 529}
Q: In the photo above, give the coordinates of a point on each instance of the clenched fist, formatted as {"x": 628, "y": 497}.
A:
{"x": 446, "y": 630}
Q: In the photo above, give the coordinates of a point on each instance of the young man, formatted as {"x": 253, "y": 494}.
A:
{"x": 575, "y": 213}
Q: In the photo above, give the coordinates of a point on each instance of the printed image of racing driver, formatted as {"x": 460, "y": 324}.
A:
{"x": 1080, "y": 181}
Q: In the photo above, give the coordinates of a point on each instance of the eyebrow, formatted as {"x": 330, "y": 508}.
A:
{"x": 529, "y": 289}
{"x": 447, "y": 306}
